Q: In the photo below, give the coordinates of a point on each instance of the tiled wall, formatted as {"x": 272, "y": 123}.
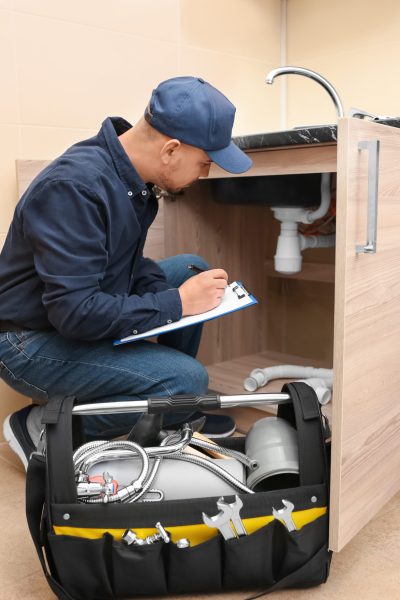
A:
{"x": 66, "y": 64}
{"x": 354, "y": 44}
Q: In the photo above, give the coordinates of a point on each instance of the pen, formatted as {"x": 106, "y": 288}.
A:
{"x": 196, "y": 268}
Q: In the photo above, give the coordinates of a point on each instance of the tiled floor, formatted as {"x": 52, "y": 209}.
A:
{"x": 368, "y": 568}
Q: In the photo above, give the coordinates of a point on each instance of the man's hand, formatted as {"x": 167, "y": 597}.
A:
{"x": 203, "y": 292}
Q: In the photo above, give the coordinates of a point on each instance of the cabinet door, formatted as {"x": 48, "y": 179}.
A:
{"x": 366, "y": 402}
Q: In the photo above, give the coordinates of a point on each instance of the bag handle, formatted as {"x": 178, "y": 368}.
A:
{"x": 304, "y": 413}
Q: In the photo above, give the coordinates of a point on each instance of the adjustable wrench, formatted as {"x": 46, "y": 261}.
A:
{"x": 233, "y": 509}
{"x": 285, "y": 515}
{"x": 221, "y": 521}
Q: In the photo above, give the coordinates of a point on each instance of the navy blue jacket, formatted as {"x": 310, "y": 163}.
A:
{"x": 73, "y": 257}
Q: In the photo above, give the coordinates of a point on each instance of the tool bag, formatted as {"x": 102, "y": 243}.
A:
{"x": 84, "y": 558}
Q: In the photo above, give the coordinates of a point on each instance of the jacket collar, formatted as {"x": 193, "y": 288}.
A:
{"x": 111, "y": 128}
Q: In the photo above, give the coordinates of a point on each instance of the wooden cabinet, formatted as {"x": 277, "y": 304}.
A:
{"x": 342, "y": 310}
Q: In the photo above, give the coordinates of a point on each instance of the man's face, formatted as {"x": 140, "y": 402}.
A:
{"x": 184, "y": 166}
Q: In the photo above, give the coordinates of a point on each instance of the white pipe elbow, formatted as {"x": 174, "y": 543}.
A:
{"x": 260, "y": 377}
{"x": 311, "y": 216}
{"x": 319, "y": 386}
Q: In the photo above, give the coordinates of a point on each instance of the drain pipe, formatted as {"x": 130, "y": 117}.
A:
{"x": 321, "y": 380}
{"x": 321, "y": 387}
{"x": 288, "y": 257}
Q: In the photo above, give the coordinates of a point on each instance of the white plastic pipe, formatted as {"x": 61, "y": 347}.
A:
{"x": 320, "y": 386}
{"x": 260, "y": 377}
{"x": 311, "y": 216}
{"x": 317, "y": 241}
{"x": 288, "y": 258}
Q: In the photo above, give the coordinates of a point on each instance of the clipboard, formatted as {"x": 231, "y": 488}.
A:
{"x": 236, "y": 297}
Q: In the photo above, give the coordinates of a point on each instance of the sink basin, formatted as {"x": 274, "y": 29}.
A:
{"x": 274, "y": 190}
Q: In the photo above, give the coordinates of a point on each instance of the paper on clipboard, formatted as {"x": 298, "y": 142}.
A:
{"x": 235, "y": 298}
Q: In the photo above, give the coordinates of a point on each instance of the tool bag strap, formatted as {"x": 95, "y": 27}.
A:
{"x": 304, "y": 413}
{"x": 313, "y": 566}
{"x": 35, "y": 498}
{"x": 59, "y": 444}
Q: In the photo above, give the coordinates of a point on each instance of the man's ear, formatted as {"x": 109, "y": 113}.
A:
{"x": 168, "y": 151}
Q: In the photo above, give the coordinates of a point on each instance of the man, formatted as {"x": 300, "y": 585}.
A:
{"x": 73, "y": 276}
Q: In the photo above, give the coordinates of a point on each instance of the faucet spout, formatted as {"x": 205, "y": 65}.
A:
{"x": 312, "y": 75}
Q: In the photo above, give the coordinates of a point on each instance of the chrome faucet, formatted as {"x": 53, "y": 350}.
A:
{"x": 312, "y": 75}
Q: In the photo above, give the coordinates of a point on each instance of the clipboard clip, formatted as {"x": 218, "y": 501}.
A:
{"x": 240, "y": 291}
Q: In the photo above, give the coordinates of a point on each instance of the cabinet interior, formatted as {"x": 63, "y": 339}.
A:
{"x": 293, "y": 321}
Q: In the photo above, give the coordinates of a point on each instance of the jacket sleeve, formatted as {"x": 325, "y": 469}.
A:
{"x": 149, "y": 277}
{"x": 65, "y": 225}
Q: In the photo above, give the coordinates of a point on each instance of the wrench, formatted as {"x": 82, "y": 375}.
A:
{"x": 233, "y": 509}
{"x": 285, "y": 515}
{"x": 222, "y": 522}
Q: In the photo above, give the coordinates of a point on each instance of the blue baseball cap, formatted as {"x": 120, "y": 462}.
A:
{"x": 196, "y": 113}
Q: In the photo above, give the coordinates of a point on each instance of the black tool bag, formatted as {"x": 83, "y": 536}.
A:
{"x": 87, "y": 560}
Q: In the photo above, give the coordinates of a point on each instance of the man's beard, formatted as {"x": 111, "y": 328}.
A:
{"x": 165, "y": 184}
{"x": 171, "y": 190}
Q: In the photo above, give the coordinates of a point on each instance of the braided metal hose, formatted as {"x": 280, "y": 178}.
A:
{"x": 101, "y": 453}
{"x": 93, "y": 452}
{"x": 248, "y": 462}
{"x": 153, "y": 472}
{"x": 216, "y": 469}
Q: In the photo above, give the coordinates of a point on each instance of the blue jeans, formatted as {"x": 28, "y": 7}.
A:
{"x": 42, "y": 364}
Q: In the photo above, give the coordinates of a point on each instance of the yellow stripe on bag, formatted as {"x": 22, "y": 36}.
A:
{"x": 196, "y": 534}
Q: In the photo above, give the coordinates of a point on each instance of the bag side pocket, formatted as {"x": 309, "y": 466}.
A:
{"x": 248, "y": 560}
{"x": 138, "y": 570}
{"x": 195, "y": 569}
{"x": 82, "y": 565}
{"x": 298, "y": 547}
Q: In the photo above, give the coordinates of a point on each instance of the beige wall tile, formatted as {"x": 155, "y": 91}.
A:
{"x": 8, "y": 154}
{"x": 155, "y": 19}
{"x": 242, "y": 81}
{"x": 350, "y": 73}
{"x": 8, "y": 70}
{"x": 316, "y": 26}
{"x": 46, "y": 143}
{"x": 241, "y": 27}
{"x": 77, "y": 84}
{"x": 355, "y": 45}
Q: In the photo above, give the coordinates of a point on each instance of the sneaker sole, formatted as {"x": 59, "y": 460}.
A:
{"x": 13, "y": 443}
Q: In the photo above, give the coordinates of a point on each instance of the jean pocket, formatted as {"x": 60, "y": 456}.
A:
{"x": 23, "y": 387}
{"x": 248, "y": 560}
{"x": 83, "y": 565}
{"x": 298, "y": 547}
{"x": 138, "y": 570}
{"x": 30, "y": 342}
{"x": 195, "y": 569}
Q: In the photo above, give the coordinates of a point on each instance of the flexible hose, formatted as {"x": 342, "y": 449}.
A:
{"x": 146, "y": 486}
{"x": 216, "y": 469}
{"x": 94, "y": 452}
{"x": 87, "y": 448}
{"x": 260, "y": 377}
{"x": 243, "y": 458}
{"x": 101, "y": 453}
{"x": 153, "y": 471}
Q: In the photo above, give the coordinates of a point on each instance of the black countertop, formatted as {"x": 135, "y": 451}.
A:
{"x": 316, "y": 134}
